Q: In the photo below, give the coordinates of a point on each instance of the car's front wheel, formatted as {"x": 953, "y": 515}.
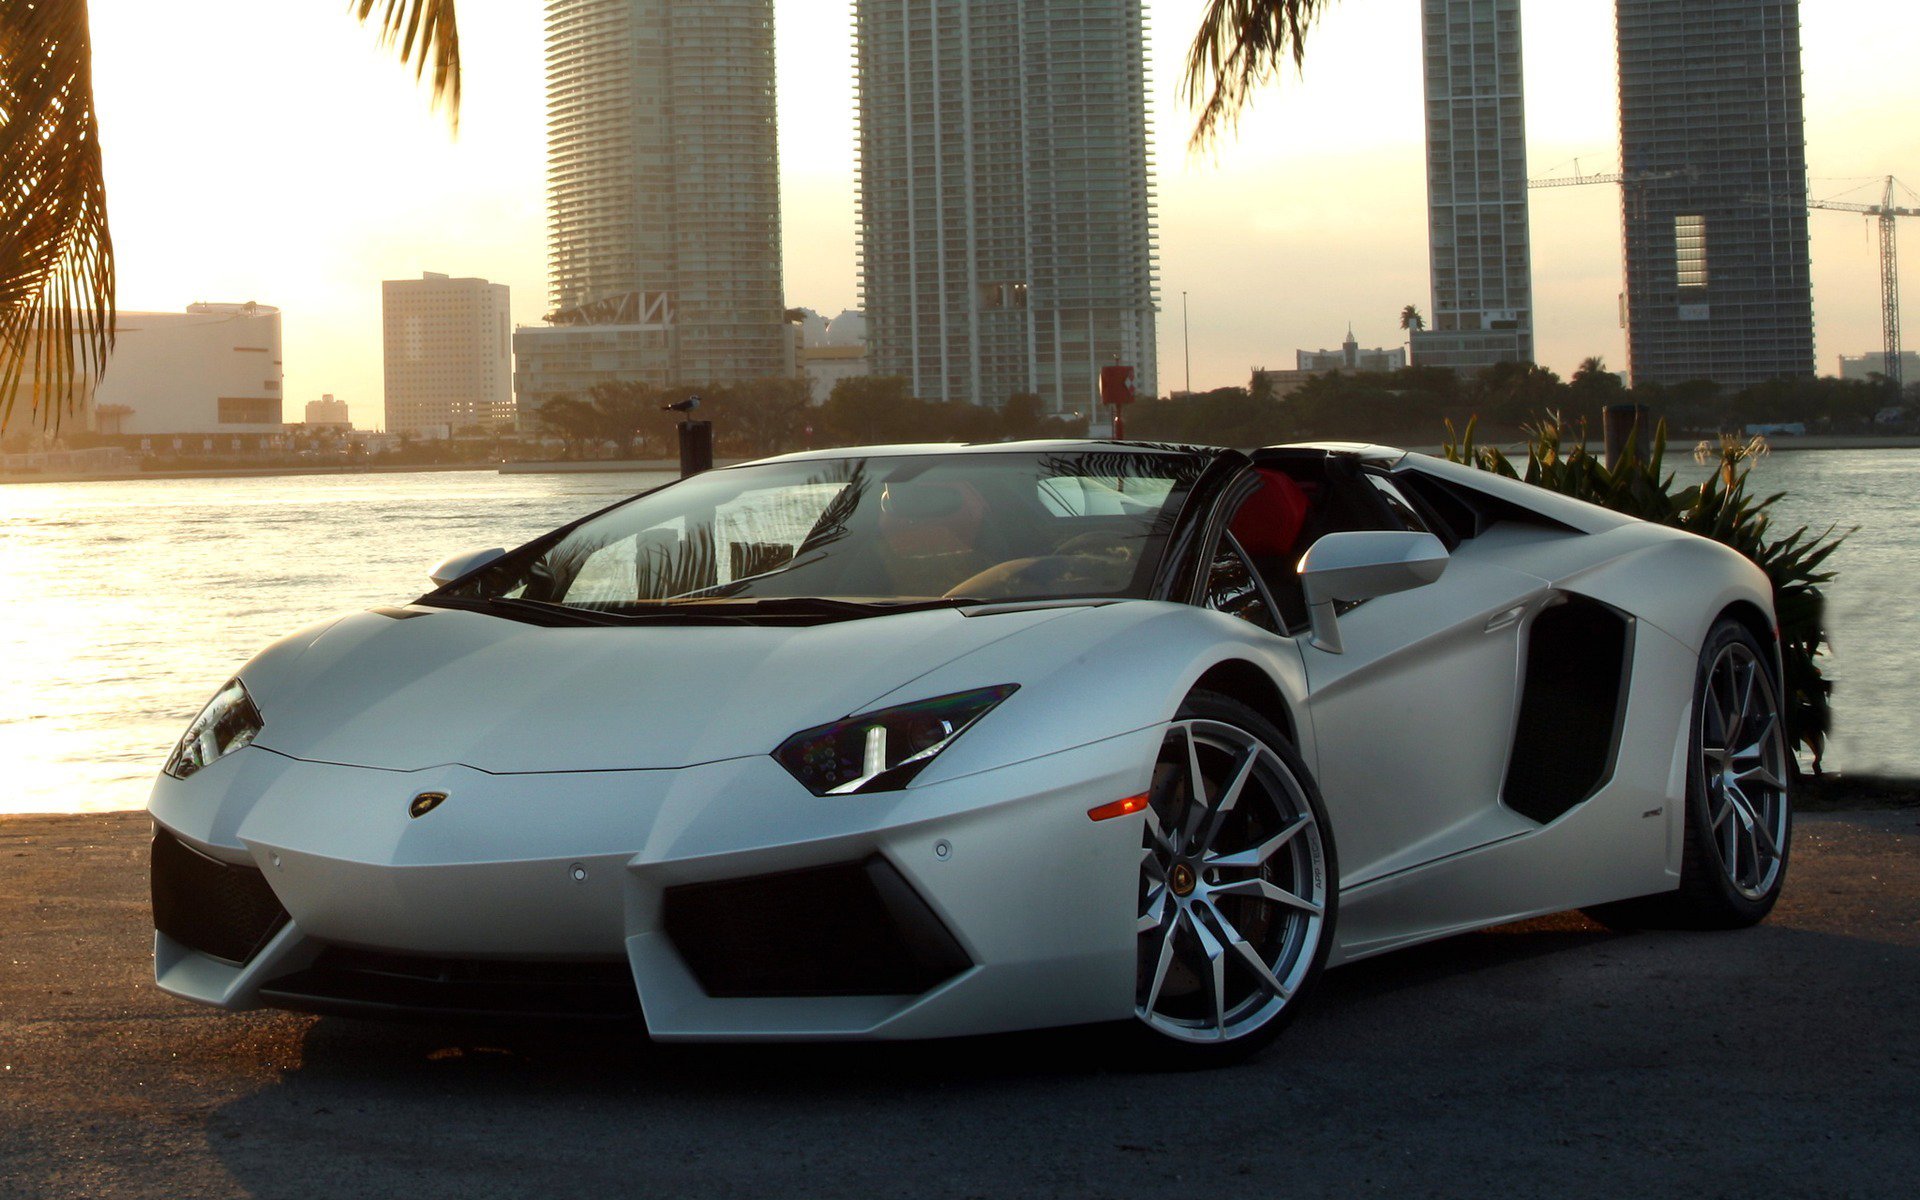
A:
{"x": 1238, "y": 889}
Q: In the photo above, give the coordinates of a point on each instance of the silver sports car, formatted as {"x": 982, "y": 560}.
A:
{"x": 912, "y": 742}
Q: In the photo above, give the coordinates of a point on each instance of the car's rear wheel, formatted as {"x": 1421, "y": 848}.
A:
{"x": 1237, "y": 892}
{"x": 1739, "y": 808}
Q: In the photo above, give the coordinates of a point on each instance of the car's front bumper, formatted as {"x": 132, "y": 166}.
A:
{"x": 574, "y": 869}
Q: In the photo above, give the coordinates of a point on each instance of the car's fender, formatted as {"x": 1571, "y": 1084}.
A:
{"x": 1681, "y": 584}
{"x": 273, "y": 668}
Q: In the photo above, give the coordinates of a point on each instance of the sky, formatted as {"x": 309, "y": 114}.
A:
{"x": 272, "y": 152}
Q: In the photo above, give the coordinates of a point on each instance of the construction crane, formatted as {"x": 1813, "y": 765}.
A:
{"x": 1634, "y": 185}
{"x": 1579, "y": 180}
{"x": 1886, "y": 211}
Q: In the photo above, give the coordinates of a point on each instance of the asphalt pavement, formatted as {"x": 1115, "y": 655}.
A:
{"x": 1552, "y": 1058}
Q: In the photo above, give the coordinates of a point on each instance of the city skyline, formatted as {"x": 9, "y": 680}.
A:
{"x": 1311, "y": 217}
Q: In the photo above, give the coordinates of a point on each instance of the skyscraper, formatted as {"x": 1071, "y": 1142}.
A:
{"x": 1714, "y": 148}
{"x": 1477, "y": 237}
{"x": 1006, "y": 206}
{"x": 448, "y": 345}
{"x": 664, "y": 181}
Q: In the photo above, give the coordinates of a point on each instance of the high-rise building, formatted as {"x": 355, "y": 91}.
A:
{"x": 449, "y": 354}
{"x": 1477, "y": 236}
{"x": 664, "y": 182}
{"x": 1714, "y": 149}
{"x": 1006, "y": 202}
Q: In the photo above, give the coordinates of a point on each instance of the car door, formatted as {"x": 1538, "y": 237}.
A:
{"x": 1413, "y": 720}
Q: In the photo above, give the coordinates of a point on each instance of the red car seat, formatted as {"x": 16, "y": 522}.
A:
{"x": 1269, "y": 523}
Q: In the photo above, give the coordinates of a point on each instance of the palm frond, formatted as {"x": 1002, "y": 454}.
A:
{"x": 1242, "y": 44}
{"x": 56, "y": 255}
{"x": 427, "y": 35}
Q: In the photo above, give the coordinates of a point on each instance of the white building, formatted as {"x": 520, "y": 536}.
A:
{"x": 664, "y": 182}
{"x": 326, "y": 411}
{"x": 1478, "y": 238}
{"x": 1350, "y": 357}
{"x": 1006, "y": 197}
{"x": 832, "y": 350}
{"x": 212, "y": 370}
{"x": 554, "y": 361}
{"x": 449, "y": 354}
{"x": 1866, "y": 366}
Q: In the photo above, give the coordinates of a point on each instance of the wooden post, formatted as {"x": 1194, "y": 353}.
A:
{"x": 696, "y": 447}
{"x": 1623, "y": 421}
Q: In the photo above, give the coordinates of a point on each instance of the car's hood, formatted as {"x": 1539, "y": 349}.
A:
{"x": 507, "y": 697}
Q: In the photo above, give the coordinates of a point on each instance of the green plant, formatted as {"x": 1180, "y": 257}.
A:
{"x": 1721, "y": 508}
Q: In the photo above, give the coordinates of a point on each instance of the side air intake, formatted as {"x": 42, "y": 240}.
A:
{"x": 1578, "y": 660}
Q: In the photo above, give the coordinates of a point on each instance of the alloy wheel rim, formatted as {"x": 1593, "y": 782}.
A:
{"x": 1743, "y": 758}
{"x": 1233, "y": 886}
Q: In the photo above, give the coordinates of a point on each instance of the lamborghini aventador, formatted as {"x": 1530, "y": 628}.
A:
{"x": 911, "y": 742}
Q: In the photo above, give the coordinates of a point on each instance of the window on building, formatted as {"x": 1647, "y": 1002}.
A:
{"x": 249, "y": 411}
{"x": 1690, "y": 252}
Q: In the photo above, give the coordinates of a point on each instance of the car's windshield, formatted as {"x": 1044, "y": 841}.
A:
{"x": 981, "y": 526}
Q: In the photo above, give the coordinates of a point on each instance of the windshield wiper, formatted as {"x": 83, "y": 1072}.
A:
{"x": 734, "y": 611}
{"x": 538, "y": 612}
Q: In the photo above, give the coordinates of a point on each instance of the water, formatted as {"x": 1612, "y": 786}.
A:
{"x": 125, "y": 604}
{"x": 1874, "y": 660}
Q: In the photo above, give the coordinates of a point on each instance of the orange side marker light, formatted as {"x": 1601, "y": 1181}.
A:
{"x": 1119, "y": 808}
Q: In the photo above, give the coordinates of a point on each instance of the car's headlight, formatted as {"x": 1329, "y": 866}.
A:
{"x": 882, "y": 751}
{"x": 228, "y": 722}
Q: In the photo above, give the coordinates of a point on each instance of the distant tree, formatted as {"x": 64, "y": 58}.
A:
{"x": 1262, "y": 388}
{"x": 959, "y": 421}
{"x": 1412, "y": 322}
{"x": 573, "y": 421}
{"x": 56, "y": 250}
{"x": 622, "y": 411}
{"x": 871, "y": 410}
{"x": 1222, "y": 417}
{"x": 761, "y": 416}
{"x": 1593, "y": 386}
{"x": 1509, "y": 394}
{"x": 1022, "y": 415}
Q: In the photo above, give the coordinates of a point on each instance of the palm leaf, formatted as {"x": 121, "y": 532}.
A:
{"x": 56, "y": 254}
{"x": 1242, "y": 44}
{"x": 56, "y": 250}
{"x": 427, "y": 36}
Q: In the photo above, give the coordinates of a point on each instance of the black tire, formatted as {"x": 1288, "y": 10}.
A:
{"x": 1277, "y": 818}
{"x": 1712, "y": 894}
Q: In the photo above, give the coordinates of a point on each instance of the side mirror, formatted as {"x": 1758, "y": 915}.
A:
{"x": 1359, "y": 566}
{"x": 463, "y": 564}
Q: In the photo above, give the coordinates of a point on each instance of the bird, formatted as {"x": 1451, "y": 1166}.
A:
{"x": 685, "y": 406}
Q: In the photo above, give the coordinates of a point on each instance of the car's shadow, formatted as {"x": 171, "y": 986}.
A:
{"x": 1391, "y": 1080}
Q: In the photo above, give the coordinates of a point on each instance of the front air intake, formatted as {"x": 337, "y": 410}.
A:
{"x": 855, "y": 929}
{"x": 216, "y": 908}
{"x": 364, "y": 983}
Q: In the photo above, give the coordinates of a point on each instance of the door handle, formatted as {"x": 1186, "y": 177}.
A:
{"x": 1502, "y": 620}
